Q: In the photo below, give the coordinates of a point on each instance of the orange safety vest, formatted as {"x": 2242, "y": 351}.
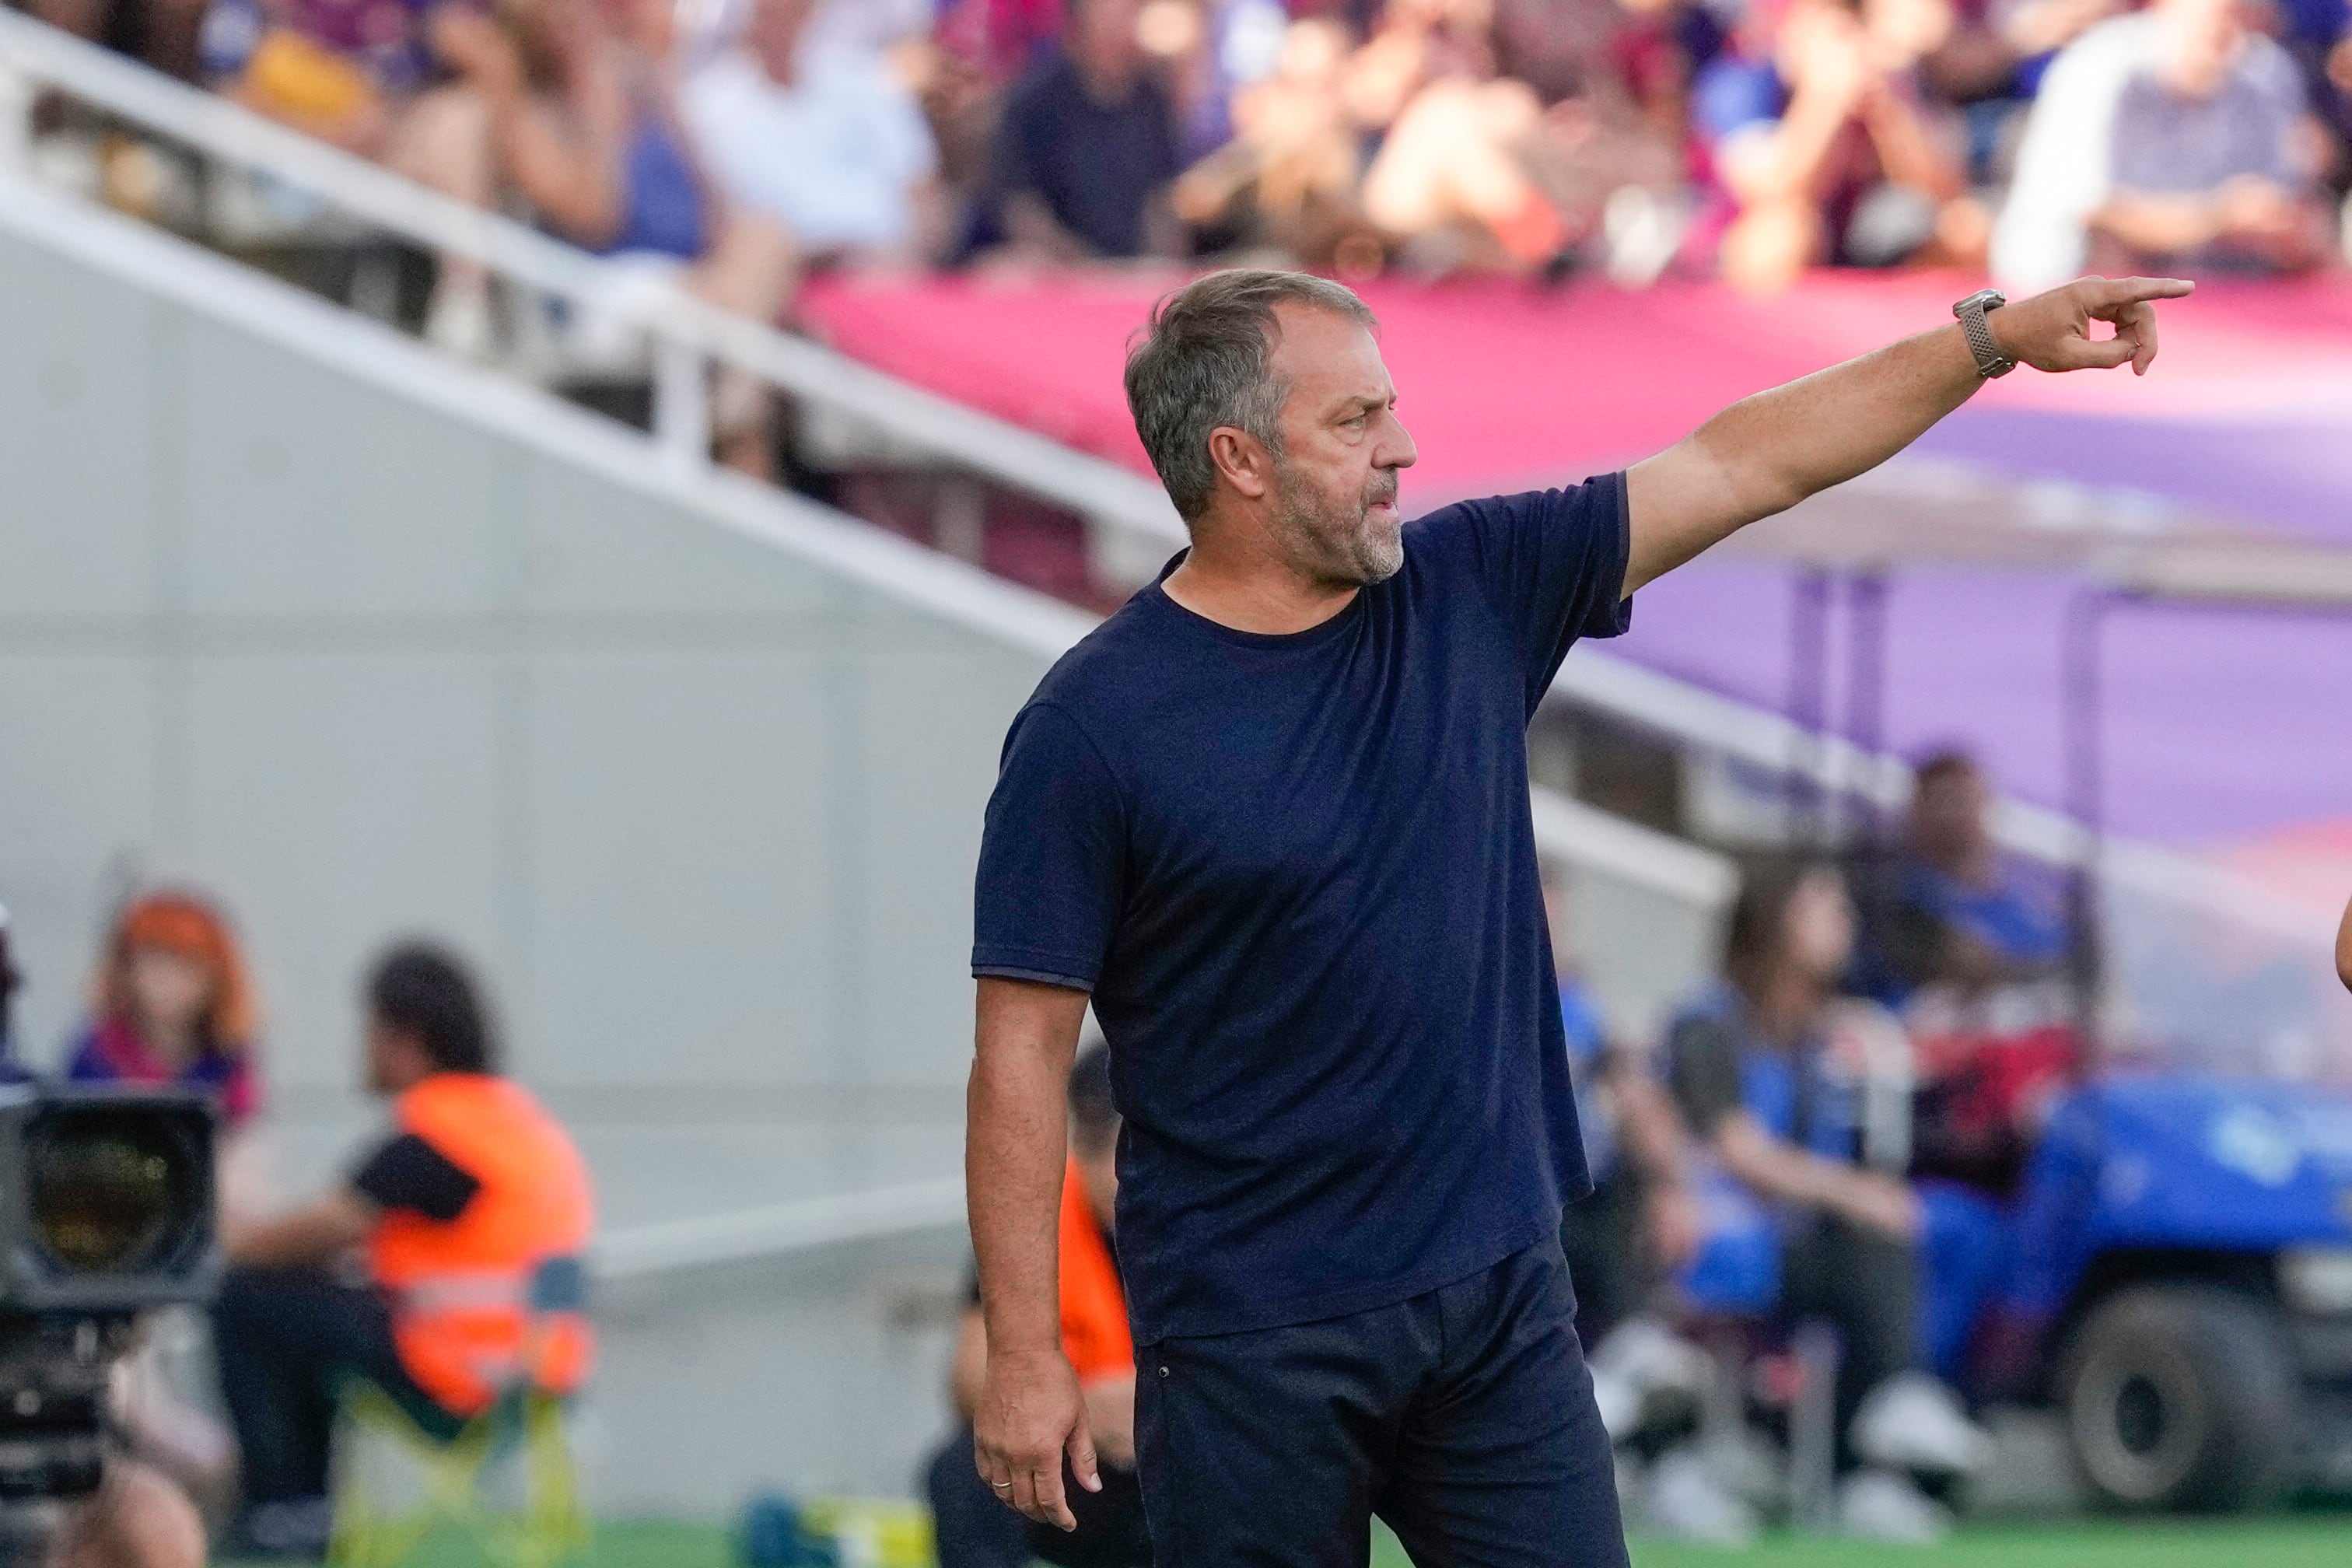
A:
{"x": 1095, "y": 1333}
{"x": 462, "y": 1314}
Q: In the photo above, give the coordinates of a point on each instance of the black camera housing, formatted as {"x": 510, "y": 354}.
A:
{"x": 106, "y": 1200}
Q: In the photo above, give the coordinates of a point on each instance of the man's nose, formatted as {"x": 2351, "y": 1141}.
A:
{"x": 1396, "y": 449}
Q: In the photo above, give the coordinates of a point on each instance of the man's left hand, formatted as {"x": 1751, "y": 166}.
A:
{"x": 2053, "y": 332}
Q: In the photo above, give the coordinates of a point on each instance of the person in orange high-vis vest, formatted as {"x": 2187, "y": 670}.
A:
{"x": 472, "y": 1219}
{"x": 975, "y": 1529}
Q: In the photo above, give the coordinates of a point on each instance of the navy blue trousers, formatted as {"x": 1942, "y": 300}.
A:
{"x": 1463, "y": 1417}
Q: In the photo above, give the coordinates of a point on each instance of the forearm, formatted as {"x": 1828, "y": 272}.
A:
{"x": 1908, "y": 150}
{"x": 1766, "y": 453}
{"x": 1787, "y": 161}
{"x": 310, "y": 1237}
{"x": 1783, "y": 1171}
{"x": 1014, "y": 1154}
{"x": 1031, "y": 224}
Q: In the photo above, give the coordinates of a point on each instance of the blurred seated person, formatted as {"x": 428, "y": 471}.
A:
{"x": 356, "y": 75}
{"x": 1764, "y": 1071}
{"x": 1827, "y": 148}
{"x": 824, "y": 141}
{"x": 1453, "y": 182}
{"x": 1955, "y": 916}
{"x": 171, "y": 1006}
{"x": 976, "y": 1527}
{"x": 578, "y": 100}
{"x": 2174, "y": 140}
{"x": 1086, "y": 151}
{"x": 454, "y": 1220}
{"x": 1287, "y": 181}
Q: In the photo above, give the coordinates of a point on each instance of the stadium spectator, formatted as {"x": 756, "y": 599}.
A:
{"x": 1753, "y": 1065}
{"x": 975, "y": 1527}
{"x": 579, "y": 100}
{"x": 476, "y": 1197}
{"x": 1824, "y": 141}
{"x": 2175, "y": 139}
{"x": 1084, "y": 154}
{"x": 356, "y": 75}
{"x": 821, "y": 140}
{"x": 1953, "y": 915}
{"x": 1288, "y": 180}
{"x": 171, "y": 1004}
{"x": 1452, "y": 181}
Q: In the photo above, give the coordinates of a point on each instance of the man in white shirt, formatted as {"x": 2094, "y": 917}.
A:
{"x": 2168, "y": 138}
{"x": 826, "y": 142}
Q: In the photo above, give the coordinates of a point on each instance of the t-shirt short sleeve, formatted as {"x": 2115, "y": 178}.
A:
{"x": 1703, "y": 1073}
{"x": 1051, "y": 856}
{"x": 407, "y": 1172}
{"x": 1553, "y": 564}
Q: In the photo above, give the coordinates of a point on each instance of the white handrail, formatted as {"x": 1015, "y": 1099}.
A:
{"x": 690, "y": 329}
{"x": 778, "y": 1230}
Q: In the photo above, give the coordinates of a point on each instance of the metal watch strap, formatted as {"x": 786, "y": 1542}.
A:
{"x": 1990, "y": 362}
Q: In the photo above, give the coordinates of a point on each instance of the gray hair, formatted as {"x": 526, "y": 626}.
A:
{"x": 1206, "y": 360}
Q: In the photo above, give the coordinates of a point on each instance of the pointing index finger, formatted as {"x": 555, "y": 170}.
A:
{"x": 2134, "y": 290}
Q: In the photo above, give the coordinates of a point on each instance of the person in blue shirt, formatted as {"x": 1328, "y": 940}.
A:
{"x": 1272, "y": 817}
{"x": 1954, "y": 913}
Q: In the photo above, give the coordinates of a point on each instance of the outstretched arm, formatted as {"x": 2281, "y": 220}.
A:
{"x": 1764, "y": 454}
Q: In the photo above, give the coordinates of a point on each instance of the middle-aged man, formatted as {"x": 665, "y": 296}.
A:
{"x": 1271, "y": 816}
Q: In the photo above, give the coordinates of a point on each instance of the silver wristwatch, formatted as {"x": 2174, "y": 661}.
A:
{"x": 1990, "y": 360}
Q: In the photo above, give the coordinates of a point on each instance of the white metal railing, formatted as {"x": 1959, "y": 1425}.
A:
{"x": 778, "y": 1230}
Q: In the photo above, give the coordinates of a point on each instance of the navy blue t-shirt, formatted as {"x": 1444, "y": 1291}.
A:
{"x": 1298, "y": 874}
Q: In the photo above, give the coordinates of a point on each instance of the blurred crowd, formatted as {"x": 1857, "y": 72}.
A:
{"x": 735, "y": 144}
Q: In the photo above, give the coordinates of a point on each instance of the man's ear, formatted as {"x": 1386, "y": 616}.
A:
{"x": 1243, "y": 461}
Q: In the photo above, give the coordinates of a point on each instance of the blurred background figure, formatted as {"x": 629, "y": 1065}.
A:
{"x": 455, "y": 1215}
{"x": 577, "y": 106}
{"x": 1771, "y": 1077}
{"x": 1086, "y": 151}
{"x": 2177, "y": 139}
{"x": 172, "y": 1005}
{"x": 1827, "y": 145}
{"x": 975, "y": 1528}
{"x": 821, "y": 140}
{"x": 1954, "y": 913}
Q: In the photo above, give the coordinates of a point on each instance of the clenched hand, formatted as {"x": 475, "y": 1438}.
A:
{"x": 2052, "y": 331}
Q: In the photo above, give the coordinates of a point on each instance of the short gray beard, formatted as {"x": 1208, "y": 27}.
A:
{"x": 1328, "y": 544}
